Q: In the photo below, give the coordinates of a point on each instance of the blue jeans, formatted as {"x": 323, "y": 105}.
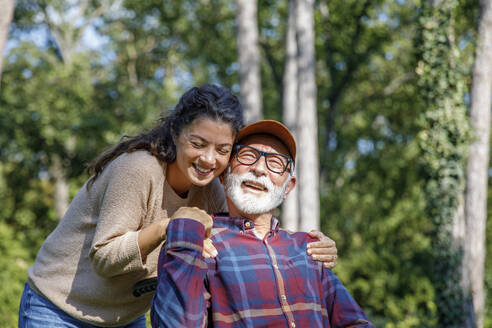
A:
{"x": 35, "y": 311}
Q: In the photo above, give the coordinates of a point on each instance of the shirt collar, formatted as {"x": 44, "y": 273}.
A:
{"x": 243, "y": 224}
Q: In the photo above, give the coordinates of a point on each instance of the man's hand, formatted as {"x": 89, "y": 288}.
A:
{"x": 203, "y": 217}
{"x": 324, "y": 250}
{"x": 196, "y": 214}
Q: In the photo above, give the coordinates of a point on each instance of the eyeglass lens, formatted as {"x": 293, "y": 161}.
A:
{"x": 275, "y": 162}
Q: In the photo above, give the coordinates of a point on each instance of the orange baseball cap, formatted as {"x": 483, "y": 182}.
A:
{"x": 270, "y": 127}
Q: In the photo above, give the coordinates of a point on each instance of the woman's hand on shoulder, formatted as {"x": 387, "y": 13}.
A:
{"x": 324, "y": 250}
{"x": 209, "y": 250}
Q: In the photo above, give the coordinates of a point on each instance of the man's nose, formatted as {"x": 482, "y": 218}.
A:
{"x": 259, "y": 168}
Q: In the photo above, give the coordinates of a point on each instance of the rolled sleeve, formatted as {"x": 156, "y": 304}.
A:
{"x": 179, "y": 300}
{"x": 185, "y": 233}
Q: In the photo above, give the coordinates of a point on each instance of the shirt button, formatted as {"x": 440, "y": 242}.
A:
{"x": 293, "y": 324}
{"x": 283, "y": 297}
{"x": 275, "y": 266}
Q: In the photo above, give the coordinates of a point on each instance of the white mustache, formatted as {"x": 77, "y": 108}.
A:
{"x": 263, "y": 180}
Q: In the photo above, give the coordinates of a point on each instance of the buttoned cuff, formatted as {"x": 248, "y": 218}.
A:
{"x": 185, "y": 233}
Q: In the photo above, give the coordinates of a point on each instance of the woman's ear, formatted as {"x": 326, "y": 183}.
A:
{"x": 173, "y": 134}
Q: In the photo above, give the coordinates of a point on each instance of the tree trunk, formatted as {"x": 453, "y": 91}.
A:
{"x": 478, "y": 163}
{"x": 308, "y": 122}
{"x": 60, "y": 198}
{"x": 6, "y": 14}
{"x": 290, "y": 208}
{"x": 249, "y": 59}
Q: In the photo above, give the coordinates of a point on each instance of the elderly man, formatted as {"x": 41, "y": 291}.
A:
{"x": 262, "y": 276}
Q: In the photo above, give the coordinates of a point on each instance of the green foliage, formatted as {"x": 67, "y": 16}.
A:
{"x": 371, "y": 202}
{"x": 392, "y": 131}
{"x": 381, "y": 237}
{"x": 443, "y": 141}
{"x": 13, "y": 273}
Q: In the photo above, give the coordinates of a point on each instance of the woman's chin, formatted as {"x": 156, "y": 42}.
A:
{"x": 202, "y": 180}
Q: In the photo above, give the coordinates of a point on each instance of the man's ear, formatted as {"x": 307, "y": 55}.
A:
{"x": 290, "y": 186}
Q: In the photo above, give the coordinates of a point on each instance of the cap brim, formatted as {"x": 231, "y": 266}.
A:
{"x": 273, "y": 128}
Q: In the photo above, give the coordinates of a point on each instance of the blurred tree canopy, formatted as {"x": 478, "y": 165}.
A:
{"x": 79, "y": 75}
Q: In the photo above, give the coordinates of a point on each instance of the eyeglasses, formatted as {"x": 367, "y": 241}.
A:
{"x": 275, "y": 162}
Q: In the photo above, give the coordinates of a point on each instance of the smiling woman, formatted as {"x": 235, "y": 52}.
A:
{"x": 108, "y": 239}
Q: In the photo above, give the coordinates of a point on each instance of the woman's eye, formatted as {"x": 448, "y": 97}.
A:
{"x": 223, "y": 151}
{"x": 196, "y": 144}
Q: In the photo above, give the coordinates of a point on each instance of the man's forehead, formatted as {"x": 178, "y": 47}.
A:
{"x": 266, "y": 143}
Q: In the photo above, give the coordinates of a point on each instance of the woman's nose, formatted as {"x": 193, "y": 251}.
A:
{"x": 207, "y": 156}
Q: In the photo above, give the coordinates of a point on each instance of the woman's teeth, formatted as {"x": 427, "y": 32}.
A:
{"x": 202, "y": 170}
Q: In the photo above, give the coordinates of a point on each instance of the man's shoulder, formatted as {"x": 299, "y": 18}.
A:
{"x": 222, "y": 226}
{"x": 299, "y": 236}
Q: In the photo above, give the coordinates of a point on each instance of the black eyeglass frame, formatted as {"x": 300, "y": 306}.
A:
{"x": 290, "y": 161}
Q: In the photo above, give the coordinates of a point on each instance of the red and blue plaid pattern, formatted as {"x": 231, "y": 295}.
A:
{"x": 251, "y": 283}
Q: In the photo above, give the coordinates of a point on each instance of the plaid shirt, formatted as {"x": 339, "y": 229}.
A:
{"x": 251, "y": 283}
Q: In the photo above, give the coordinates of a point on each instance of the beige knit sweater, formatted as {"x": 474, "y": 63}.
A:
{"x": 89, "y": 263}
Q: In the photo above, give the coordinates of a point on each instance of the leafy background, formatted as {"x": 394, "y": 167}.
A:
{"x": 132, "y": 62}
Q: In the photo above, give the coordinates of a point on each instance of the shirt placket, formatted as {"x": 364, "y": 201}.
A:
{"x": 282, "y": 293}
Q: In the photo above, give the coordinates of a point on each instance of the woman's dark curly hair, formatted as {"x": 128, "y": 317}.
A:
{"x": 210, "y": 101}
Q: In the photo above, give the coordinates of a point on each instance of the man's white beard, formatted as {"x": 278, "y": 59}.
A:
{"x": 251, "y": 203}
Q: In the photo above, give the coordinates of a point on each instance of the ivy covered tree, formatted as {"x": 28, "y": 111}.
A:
{"x": 443, "y": 142}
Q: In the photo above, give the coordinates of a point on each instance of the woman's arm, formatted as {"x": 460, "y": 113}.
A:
{"x": 124, "y": 190}
{"x": 150, "y": 237}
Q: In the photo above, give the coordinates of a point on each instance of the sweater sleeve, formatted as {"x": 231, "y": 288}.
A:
{"x": 179, "y": 300}
{"x": 124, "y": 191}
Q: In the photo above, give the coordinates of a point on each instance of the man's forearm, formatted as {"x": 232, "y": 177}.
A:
{"x": 342, "y": 308}
{"x": 179, "y": 298}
